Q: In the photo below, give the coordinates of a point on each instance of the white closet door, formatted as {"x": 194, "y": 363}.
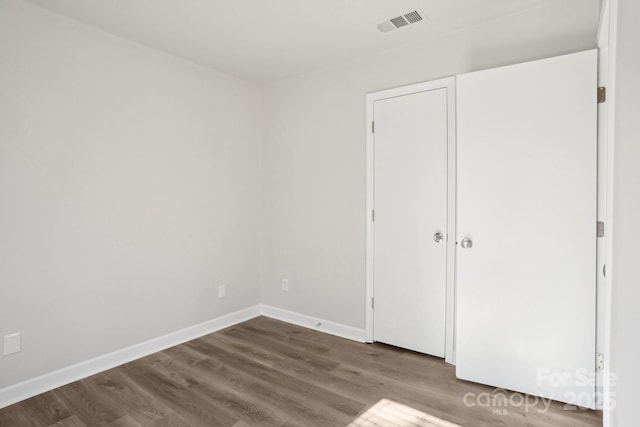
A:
{"x": 526, "y": 295}
{"x": 410, "y": 199}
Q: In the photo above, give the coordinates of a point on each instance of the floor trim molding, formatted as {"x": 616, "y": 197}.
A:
{"x": 315, "y": 323}
{"x": 32, "y": 387}
{"x": 49, "y": 381}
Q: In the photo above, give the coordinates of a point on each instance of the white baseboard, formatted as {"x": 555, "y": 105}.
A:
{"x": 26, "y": 389}
{"x": 314, "y": 323}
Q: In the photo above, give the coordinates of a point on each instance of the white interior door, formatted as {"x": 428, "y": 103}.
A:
{"x": 527, "y": 152}
{"x": 410, "y": 201}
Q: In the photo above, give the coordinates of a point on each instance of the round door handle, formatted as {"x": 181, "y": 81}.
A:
{"x": 466, "y": 243}
{"x": 438, "y": 237}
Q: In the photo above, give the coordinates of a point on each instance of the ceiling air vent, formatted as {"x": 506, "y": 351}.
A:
{"x": 400, "y": 21}
{"x": 413, "y": 17}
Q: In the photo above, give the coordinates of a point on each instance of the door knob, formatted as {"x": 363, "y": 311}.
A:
{"x": 438, "y": 237}
{"x": 466, "y": 243}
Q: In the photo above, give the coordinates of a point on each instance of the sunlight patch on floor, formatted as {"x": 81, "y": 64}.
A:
{"x": 387, "y": 413}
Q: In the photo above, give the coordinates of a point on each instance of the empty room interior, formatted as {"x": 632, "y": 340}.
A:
{"x": 363, "y": 213}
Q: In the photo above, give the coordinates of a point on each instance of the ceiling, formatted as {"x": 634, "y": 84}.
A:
{"x": 266, "y": 40}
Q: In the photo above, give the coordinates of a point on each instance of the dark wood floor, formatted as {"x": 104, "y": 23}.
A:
{"x": 268, "y": 373}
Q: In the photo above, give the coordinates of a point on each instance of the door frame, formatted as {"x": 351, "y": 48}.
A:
{"x": 607, "y": 57}
{"x": 447, "y": 83}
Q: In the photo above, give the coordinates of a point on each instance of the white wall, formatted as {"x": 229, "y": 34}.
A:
{"x": 314, "y": 154}
{"x": 625, "y": 340}
{"x": 129, "y": 186}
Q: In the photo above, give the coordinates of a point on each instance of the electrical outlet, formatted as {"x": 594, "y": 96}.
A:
{"x": 222, "y": 291}
{"x": 12, "y": 344}
{"x": 285, "y": 284}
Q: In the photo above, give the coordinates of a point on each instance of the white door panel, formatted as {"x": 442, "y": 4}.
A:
{"x": 410, "y": 199}
{"x": 527, "y": 199}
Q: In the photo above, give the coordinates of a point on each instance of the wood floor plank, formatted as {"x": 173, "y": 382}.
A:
{"x": 44, "y": 410}
{"x": 351, "y": 380}
{"x": 72, "y": 421}
{"x": 185, "y": 354}
{"x": 358, "y": 384}
{"x": 170, "y": 420}
{"x": 318, "y": 405}
{"x": 384, "y": 359}
{"x": 15, "y": 415}
{"x": 126, "y": 421}
{"x": 116, "y": 387}
{"x": 219, "y": 384}
{"x": 309, "y": 357}
{"x": 37, "y": 411}
{"x": 87, "y": 403}
{"x": 269, "y": 373}
{"x": 190, "y": 405}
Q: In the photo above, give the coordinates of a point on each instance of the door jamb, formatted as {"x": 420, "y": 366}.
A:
{"x": 607, "y": 46}
{"x": 448, "y": 84}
